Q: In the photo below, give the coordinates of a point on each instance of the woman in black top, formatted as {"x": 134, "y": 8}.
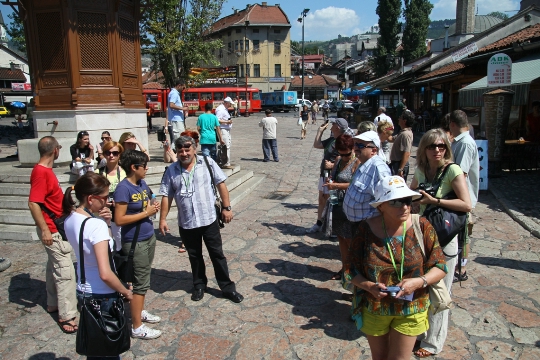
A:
{"x": 305, "y": 114}
{"x": 82, "y": 154}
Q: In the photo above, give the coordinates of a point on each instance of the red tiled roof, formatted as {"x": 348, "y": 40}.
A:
{"x": 443, "y": 70}
{"x": 256, "y": 14}
{"x": 153, "y": 85}
{"x": 529, "y": 33}
{"x": 8, "y": 74}
{"x": 314, "y": 81}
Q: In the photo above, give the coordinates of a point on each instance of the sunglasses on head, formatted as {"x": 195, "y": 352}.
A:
{"x": 83, "y": 133}
{"x": 363, "y": 146}
{"x": 185, "y": 146}
{"x": 397, "y": 203}
{"x": 441, "y": 147}
{"x": 114, "y": 153}
{"x": 347, "y": 154}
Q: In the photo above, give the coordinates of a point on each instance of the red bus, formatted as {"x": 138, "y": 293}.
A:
{"x": 196, "y": 98}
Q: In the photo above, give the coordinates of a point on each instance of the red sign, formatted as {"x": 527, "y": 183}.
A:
{"x": 21, "y": 87}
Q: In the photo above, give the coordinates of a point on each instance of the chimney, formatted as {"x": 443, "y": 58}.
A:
{"x": 264, "y": 4}
{"x": 465, "y": 17}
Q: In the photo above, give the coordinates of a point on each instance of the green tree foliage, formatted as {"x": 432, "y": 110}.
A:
{"x": 416, "y": 15}
{"x": 175, "y": 34}
{"x": 499, "y": 15}
{"x": 15, "y": 31}
{"x": 389, "y": 12}
{"x": 436, "y": 28}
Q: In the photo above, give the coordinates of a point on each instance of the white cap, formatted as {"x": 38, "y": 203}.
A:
{"x": 228, "y": 99}
{"x": 392, "y": 188}
{"x": 370, "y": 136}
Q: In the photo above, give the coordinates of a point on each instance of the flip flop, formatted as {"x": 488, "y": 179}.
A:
{"x": 422, "y": 353}
{"x": 69, "y": 322}
{"x": 337, "y": 276}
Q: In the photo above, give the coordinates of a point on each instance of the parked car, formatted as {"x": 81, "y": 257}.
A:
{"x": 336, "y": 106}
{"x": 299, "y": 104}
{"x": 4, "y": 112}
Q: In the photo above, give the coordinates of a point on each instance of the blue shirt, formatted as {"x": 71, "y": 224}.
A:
{"x": 361, "y": 191}
{"x": 173, "y": 114}
{"x": 192, "y": 192}
{"x": 208, "y": 124}
{"x": 137, "y": 198}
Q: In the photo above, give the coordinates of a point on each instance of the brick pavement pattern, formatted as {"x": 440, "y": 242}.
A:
{"x": 291, "y": 308}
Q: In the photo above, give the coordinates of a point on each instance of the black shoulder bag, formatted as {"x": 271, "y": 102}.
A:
{"x": 57, "y": 220}
{"x": 447, "y": 223}
{"x": 217, "y": 203}
{"x": 100, "y": 333}
{"x": 124, "y": 263}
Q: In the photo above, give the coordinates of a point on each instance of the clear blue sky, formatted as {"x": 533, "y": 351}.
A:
{"x": 328, "y": 19}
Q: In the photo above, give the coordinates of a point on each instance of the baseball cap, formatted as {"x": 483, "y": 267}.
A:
{"x": 228, "y": 99}
{"x": 392, "y": 188}
{"x": 370, "y": 136}
{"x": 341, "y": 123}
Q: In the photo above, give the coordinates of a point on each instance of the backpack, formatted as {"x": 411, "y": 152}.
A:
{"x": 221, "y": 155}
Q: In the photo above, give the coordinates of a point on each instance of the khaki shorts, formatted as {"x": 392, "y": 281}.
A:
{"x": 142, "y": 263}
{"x": 379, "y": 325}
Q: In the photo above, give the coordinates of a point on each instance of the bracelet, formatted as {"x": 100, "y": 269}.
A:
{"x": 438, "y": 201}
{"x": 425, "y": 281}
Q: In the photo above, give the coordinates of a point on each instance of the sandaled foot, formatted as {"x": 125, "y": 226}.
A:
{"x": 182, "y": 249}
{"x": 422, "y": 353}
{"x": 460, "y": 277}
{"x": 68, "y": 326}
{"x": 337, "y": 276}
{"x": 52, "y": 309}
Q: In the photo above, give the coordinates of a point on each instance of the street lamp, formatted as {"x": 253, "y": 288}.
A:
{"x": 246, "y": 114}
{"x": 301, "y": 20}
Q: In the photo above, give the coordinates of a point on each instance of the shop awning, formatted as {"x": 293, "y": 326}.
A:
{"x": 524, "y": 71}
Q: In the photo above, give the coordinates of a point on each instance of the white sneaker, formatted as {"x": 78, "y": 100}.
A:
{"x": 149, "y": 318}
{"x": 145, "y": 333}
{"x": 315, "y": 228}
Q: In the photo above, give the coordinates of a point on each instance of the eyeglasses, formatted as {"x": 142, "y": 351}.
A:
{"x": 345, "y": 155}
{"x": 441, "y": 147}
{"x": 363, "y": 146}
{"x": 138, "y": 165}
{"x": 103, "y": 138}
{"x": 105, "y": 198}
{"x": 397, "y": 203}
{"x": 113, "y": 153}
{"x": 185, "y": 146}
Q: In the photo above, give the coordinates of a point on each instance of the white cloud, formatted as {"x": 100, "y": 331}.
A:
{"x": 328, "y": 23}
{"x": 446, "y": 9}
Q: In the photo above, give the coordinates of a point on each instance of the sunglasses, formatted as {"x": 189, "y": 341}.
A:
{"x": 441, "y": 147}
{"x": 138, "y": 165}
{"x": 114, "y": 153}
{"x": 346, "y": 155}
{"x": 103, "y": 138}
{"x": 185, "y": 146}
{"x": 363, "y": 146}
{"x": 105, "y": 198}
{"x": 397, "y": 203}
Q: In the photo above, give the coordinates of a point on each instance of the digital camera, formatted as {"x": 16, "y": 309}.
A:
{"x": 427, "y": 188}
{"x": 391, "y": 290}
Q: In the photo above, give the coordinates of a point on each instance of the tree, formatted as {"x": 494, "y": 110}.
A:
{"x": 416, "y": 15}
{"x": 389, "y": 27}
{"x": 499, "y": 15}
{"x": 15, "y": 30}
{"x": 176, "y": 33}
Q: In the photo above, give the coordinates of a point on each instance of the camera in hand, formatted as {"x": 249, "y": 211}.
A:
{"x": 427, "y": 188}
{"x": 391, "y": 290}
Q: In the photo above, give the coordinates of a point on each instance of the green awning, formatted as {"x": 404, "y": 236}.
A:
{"x": 524, "y": 71}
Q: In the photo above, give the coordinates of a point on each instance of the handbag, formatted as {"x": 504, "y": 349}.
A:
{"x": 221, "y": 155}
{"x": 439, "y": 296}
{"x": 57, "y": 220}
{"x": 217, "y": 204}
{"x": 299, "y": 122}
{"x": 124, "y": 263}
{"x": 447, "y": 223}
{"x": 100, "y": 333}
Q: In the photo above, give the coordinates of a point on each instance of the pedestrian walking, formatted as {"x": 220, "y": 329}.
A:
{"x": 175, "y": 121}
{"x": 269, "y": 140}
{"x": 314, "y": 111}
{"x": 208, "y": 126}
{"x": 305, "y": 115}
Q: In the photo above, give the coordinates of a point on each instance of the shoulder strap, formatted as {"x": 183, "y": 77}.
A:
{"x": 47, "y": 211}
{"x": 211, "y": 176}
{"x": 81, "y": 253}
{"x": 418, "y": 232}
{"x": 441, "y": 177}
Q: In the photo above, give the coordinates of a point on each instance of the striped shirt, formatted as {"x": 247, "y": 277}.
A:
{"x": 361, "y": 190}
{"x": 192, "y": 191}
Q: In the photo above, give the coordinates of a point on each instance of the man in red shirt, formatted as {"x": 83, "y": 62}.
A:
{"x": 45, "y": 193}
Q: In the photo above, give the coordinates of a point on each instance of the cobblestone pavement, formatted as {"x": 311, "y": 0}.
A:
{"x": 291, "y": 308}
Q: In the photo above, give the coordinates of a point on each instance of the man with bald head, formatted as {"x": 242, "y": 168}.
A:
{"x": 45, "y": 203}
{"x": 381, "y": 116}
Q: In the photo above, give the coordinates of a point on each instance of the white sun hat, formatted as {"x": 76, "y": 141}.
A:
{"x": 392, "y": 188}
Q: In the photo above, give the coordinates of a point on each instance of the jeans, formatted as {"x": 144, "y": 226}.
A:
{"x": 209, "y": 150}
{"x": 267, "y": 145}
{"x": 107, "y": 301}
{"x": 394, "y": 166}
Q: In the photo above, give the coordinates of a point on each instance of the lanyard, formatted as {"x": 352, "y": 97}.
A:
{"x": 400, "y": 276}
{"x": 189, "y": 178}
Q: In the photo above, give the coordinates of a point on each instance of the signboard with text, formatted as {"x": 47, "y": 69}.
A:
{"x": 464, "y": 52}
{"x": 499, "y": 71}
{"x": 21, "y": 87}
{"x": 483, "y": 157}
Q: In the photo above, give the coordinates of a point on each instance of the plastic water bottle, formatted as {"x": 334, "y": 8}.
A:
{"x": 152, "y": 202}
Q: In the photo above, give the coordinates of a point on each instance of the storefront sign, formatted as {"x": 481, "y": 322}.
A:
{"x": 21, "y": 87}
{"x": 499, "y": 71}
{"x": 483, "y": 157}
{"x": 464, "y": 52}
{"x": 277, "y": 79}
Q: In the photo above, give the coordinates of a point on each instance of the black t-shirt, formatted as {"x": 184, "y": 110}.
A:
{"x": 330, "y": 152}
{"x": 77, "y": 152}
{"x": 304, "y": 115}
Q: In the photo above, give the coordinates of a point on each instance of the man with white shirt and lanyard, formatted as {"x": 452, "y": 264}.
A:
{"x": 190, "y": 182}
{"x": 225, "y": 125}
{"x": 174, "y": 124}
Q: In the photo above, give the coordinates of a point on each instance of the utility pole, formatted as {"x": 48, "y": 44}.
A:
{"x": 246, "y": 114}
{"x": 301, "y": 20}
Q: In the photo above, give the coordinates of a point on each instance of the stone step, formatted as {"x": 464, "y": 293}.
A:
{"x": 18, "y": 232}
{"x": 14, "y": 202}
{"x": 16, "y": 217}
{"x": 14, "y": 189}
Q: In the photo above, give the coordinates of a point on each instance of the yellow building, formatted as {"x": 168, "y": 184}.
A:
{"x": 257, "y": 39}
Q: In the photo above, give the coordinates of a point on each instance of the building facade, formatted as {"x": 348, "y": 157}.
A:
{"x": 257, "y": 42}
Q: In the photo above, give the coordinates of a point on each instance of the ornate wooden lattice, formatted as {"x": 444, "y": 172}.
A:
{"x": 51, "y": 41}
{"x": 93, "y": 40}
{"x": 127, "y": 41}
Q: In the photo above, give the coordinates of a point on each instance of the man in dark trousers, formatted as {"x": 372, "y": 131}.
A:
{"x": 189, "y": 182}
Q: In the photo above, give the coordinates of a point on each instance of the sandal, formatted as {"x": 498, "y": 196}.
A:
{"x": 422, "y": 353}
{"x": 460, "y": 277}
{"x": 70, "y": 322}
{"x": 337, "y": 276}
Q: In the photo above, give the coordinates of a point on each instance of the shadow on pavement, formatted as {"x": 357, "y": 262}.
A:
{"x": 319, "y": 306}
{"x": 27, "y": 292}
{"x": 165, "y": 280}
{"x": 252, "y": 159}
{"x": 323, "y": 251}
{"x": 46, "y": 356}
{"x": 286, "y": 229}
{"x": 292, "y": 270}
{"x": 532, "y": 267}
{"x": 299, "y": 206}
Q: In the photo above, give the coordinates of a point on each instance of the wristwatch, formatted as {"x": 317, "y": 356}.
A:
{"x": 228, "y": 208}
